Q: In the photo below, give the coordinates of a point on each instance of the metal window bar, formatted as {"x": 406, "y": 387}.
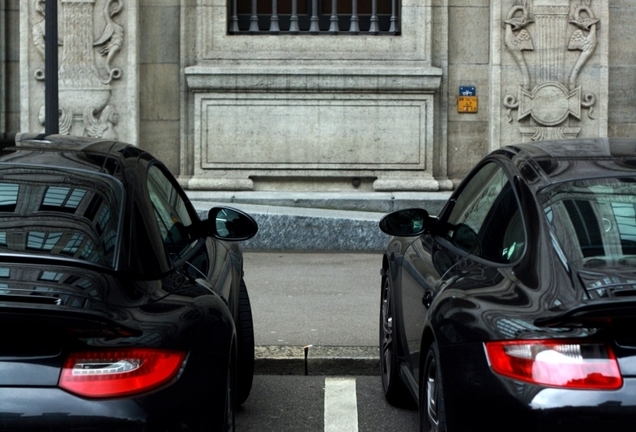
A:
{"x": 374, "y": 29}
{"x": 314, "y": 17}
{"x": 314, "y": 28}
{"x": 254, "y": 19}
{"x": 273, "y": 25}
{"x": 234, "y": 27}
{"x": 333, "y": 27}
{"x": 293, "y": 20}
{"x": 394, "y": 28}
{"x": 354, "y": 27}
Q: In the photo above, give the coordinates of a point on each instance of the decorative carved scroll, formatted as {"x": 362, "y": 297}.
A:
{"x": 547, "y": 97}
{"x": 84, "y": 83}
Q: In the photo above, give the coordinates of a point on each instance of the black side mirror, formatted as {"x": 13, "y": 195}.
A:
{"x": 407, "y": 223}
{"x": 231, "y": 224}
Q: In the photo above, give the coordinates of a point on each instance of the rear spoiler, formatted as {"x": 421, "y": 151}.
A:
{"x": 596, "y": 315}
{"x": 72, "y": 323}
{"x": 11, "y": 139}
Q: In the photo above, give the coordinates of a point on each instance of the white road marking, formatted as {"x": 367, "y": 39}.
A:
{"x": 341, "y": 406}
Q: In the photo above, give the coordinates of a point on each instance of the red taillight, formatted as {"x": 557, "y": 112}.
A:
{"x": 583, "y": 366}
{"x": 117, "y": 373}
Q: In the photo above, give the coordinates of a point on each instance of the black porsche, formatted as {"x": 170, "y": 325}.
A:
{"x": 121, "y": 309}
{"x": 515, "y": 308}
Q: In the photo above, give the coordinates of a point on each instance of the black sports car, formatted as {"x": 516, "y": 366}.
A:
{"x": 121, "y": 310}
{"x": 515, "y": 308}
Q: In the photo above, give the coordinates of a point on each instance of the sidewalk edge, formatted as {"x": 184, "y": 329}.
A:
{"x": 316, "y": 360}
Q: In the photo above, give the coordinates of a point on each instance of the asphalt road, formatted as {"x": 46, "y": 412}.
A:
{"x": 314, "y": 298}
{"x": 320, "y": 299}
{"x": 310, "y": 404}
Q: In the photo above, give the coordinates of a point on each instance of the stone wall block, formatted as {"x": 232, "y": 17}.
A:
{"x": 622, "y": 49}
{"x": 12, "y": 51}
{"x": 468, "y": 34}
{"x": 622, "y": 93}
{"x": 469, "y": 144}
{"x": 162, "y": 138}
{"x": 160, "y": 27}
{"x": 469, "y": 3}
{"x": 159, "y": 103}
{"x": 627, "y": 130}
{"x": 267, "y": 108}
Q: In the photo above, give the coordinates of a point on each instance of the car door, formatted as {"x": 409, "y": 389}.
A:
{"x": 480, "y": 230}
{"x": 173, "y": 218}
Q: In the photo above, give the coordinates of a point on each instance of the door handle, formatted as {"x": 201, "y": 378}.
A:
{"x": 427, "y": 299}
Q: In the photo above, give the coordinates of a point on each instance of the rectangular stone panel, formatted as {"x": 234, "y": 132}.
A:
{"x": 293, "y": 133}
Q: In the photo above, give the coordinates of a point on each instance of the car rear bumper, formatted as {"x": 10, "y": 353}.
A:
{"x": 52, "y": 409}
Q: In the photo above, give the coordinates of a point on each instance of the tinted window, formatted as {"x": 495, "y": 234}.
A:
{"x": 63, "y": 212}
{"x": 486, "y": 219}
{"x": 594, "y": 220}
{"x": 170, "y": 211}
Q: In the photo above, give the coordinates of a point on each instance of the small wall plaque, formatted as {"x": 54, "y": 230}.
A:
{"x": 467, "y": 104}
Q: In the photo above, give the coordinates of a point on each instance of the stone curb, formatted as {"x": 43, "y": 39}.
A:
{"x": 316, "y": 360}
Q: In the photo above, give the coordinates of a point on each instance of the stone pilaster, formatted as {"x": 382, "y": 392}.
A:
{"x": 98, "y": 68}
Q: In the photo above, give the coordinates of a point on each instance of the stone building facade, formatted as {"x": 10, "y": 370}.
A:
{"x": 231, "y": 109}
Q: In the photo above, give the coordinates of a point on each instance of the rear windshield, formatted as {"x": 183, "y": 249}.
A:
{"x": 593, "y": 221}
{"x": 61, "y": 212}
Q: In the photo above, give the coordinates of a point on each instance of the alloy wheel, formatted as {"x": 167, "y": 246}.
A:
{"x": 386, "y": 328}
{"x": 432, "y": 393}
{"x": 432, "y": 410}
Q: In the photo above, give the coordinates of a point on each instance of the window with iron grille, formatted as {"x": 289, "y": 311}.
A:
{"x": 314, "y": 17}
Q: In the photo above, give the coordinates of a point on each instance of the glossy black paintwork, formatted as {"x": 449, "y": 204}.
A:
{"x": 459, "y": 300}
{"x": 144, "y": 300}
{"x": 476, "y": 400}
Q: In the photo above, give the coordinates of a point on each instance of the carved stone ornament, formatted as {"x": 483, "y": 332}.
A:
{"x": 84, "y": 83}
{"x": 545, "y": 31}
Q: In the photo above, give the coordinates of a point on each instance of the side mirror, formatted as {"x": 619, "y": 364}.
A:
{"x": 407, "y": 223}
{"x": 226, "y": 223}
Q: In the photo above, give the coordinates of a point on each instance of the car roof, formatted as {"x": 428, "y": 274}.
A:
{"x": 547, "y": 162}
{"x": 92, "y": 154}
{"x": 592, "y": 148}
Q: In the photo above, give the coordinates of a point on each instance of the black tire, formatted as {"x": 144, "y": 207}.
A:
{"x": 245, "y": 330}
{"x": 217, "y": 414}
{"x": 432, "y": 409}
{"x": 395, "y": 391}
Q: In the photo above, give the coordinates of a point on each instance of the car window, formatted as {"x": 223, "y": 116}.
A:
{"x": 61, "y": 212}
{"x": 594, "y": 221}
{"x": 486, "y": 218}
{"x": 170, "y": 211}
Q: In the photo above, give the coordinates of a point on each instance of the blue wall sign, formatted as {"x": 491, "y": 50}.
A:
{"x": 467, "y": 91}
